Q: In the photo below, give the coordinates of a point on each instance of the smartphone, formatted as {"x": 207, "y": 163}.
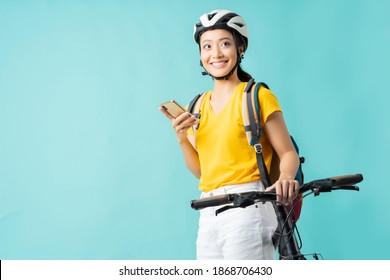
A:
{"x": 173, "y": 108}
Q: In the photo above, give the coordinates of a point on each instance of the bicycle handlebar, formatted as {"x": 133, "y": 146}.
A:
{"x": 329, "y": 184}
{"x": 238, "y": 199}
{"x": 344, "y": 182}
{"x": 347, "y": 179}
{"x": 212, "y": 201}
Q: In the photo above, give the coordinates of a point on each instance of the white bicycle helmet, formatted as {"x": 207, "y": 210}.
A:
{"x": 222, "y": 19}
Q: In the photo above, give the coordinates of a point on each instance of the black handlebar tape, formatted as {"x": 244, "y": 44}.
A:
{"x": 346, "y": 179}
{"x": 211, "y": 201}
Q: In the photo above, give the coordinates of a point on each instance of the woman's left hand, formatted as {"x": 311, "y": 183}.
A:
{"x": 286, "y": 190}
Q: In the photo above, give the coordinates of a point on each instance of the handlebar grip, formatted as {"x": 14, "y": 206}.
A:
{"x": 210, "y": 201}
{"x": 346, "y": 179}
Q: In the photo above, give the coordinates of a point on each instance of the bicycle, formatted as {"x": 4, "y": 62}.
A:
{"x": 286, "y": 235}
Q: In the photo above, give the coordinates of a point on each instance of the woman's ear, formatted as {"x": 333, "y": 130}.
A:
{"x": 241, "y": 51}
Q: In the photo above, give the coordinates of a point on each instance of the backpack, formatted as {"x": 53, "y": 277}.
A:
{"x": 251, "y": 116}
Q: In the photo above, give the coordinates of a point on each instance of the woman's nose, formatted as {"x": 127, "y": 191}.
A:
{"x": 217, "y": 53}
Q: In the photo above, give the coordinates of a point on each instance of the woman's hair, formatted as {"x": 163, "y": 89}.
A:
{"x": 242, "y": 75}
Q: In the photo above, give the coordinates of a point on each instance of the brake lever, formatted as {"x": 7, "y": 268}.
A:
{"x": 348, "y": 188}
{"x": 241, "y": 200}
{"x": 223, "y": 209}
{"x": 326, "y": 185}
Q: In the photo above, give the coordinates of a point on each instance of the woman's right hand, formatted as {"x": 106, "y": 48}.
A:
{"x": 181, "y": 124}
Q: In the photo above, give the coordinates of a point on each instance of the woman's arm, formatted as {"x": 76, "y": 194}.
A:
{"x": 180, "y": 126}
{"x": 279, "y": 137}
{"x": 191, "y": 158}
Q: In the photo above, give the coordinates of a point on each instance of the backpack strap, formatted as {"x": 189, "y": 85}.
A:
{"x": 194, "y": 108}
{"x": 251, "y": 112}
{"x": 194, "y": 105}
{"x": 252, "y": 124}
{"x": 247, "y": 112}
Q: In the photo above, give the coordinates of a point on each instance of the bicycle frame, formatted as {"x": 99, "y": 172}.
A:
{"x": 284, "y": 238}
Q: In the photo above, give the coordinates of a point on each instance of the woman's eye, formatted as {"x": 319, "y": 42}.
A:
{"x": 226, "y": 44}
{"x": 206, "y": 46}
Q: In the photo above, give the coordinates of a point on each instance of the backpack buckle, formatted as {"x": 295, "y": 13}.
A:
{"x": 197, "y": 116}
{"x": 258, "y": 148}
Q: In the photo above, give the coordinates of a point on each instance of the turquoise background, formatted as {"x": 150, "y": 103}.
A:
{"x": 90, "y": 169}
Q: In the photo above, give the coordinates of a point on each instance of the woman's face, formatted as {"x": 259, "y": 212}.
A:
{"x": 218, "y": 52}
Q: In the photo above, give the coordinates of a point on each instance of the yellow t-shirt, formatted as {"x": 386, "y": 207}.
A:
{"x": 225, "y": 155}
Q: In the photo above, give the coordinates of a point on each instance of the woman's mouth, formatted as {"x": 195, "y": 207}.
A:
{"x": 218, "y": 64}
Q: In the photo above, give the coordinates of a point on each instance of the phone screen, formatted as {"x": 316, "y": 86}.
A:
{"x": 173, "y": 108}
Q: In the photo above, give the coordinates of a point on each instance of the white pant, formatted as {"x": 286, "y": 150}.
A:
{"x": 239, "y": 233}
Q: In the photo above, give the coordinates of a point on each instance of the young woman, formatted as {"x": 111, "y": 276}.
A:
{"x": 221, "y": 157}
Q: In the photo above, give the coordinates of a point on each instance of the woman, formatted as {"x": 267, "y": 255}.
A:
{"x": 221, "y": 157}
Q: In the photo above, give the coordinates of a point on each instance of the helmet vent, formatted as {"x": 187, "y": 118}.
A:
{"x": 210, "y": 16}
